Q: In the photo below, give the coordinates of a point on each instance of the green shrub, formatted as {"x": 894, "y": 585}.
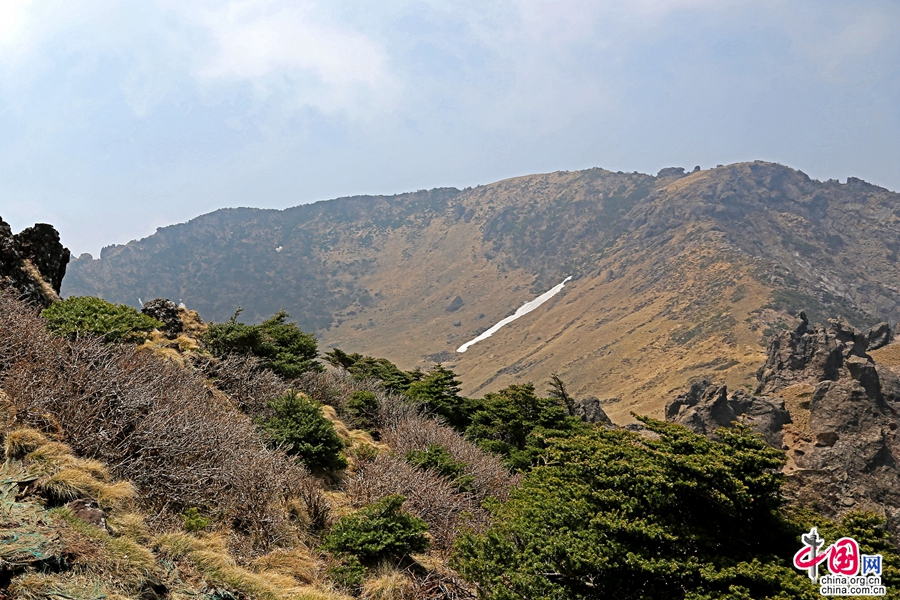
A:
{"x": 194, "y": 521}
{"x": 347, "y": 573}
{"x": 279, "y": 344}
{"x": 298, "y": 423}
{"x": 437, "y": 459}
{"x": 88, "y": 315}
{"x": 361, "y": 408}
{"x": 379, "y": 531}
{"x": 613, "y": 514}
{"x": 366, "y": 367}
{"x": 438, "y": 390}
{"x": 516, "y": 424}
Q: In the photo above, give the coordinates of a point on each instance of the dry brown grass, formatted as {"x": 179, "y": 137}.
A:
{"x": 796, "y": 400}
{"x": 404, "y": 428}
{"x": 151, "y": 421}
{"x": 387, "y": 582}
{"x": 888, "y": 355}
{"x": 298, "y": 563}
{"x": 209, "y": 555}
{"x": 60, "y": 475}
{"x": 191, "y": 323}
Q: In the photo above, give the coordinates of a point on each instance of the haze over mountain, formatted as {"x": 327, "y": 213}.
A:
{"x": 673, "y": 276}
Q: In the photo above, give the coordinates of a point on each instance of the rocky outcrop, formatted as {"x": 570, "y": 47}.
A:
{"x": 879, "y": 336}
{"x": 167, "y": 312}
{"x": 841, "y": 444}
{"x": 33, "y": 262}
{"x": 706, "y": 407}
{"x": 812, "y": 355}
{"x": 590, "y": 410}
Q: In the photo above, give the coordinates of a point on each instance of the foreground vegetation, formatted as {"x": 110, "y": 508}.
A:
{"x": 232, "y": 464}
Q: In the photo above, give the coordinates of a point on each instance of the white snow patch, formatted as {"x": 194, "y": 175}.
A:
{"x": 521, "y": 311}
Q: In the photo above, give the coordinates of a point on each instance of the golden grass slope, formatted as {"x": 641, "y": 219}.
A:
{"x": 124, "y": 560}
{"x": 636, "y": 336}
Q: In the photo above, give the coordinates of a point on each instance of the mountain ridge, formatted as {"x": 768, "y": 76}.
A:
{"x": 714, "y": 261}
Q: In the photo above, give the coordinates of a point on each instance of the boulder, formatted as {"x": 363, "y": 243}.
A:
{"x": 879, "y": 336}
{"x": 590, "y": 410}
{"x": 455, "y": 304}
{"x": 88, "y": 511}
{"x": 166, "y": 311}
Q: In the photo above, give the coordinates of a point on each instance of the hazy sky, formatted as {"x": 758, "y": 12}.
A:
{"x": 117, "y": 117}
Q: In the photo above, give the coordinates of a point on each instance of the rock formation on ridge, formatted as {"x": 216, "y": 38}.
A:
{"x": 33, "y": 262}
{"x": 841, "y": 436}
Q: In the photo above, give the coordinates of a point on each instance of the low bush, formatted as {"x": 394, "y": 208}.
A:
{"x": 404, "y": 428}
{"x": 279, "y": 344}
{"x": 194, "y": 521}
{"x": 299, "y": 426}
{"x": 438, "y": 391}
{"x": 364, "y": 368}
{"x": 613, "y": 514}
{"x": 516, "y": 424}
{"x": 361, "y": 409}
{"x": 429, "y": 496}
{"x": 93, "y": 316}
{"x": 379, "y": 531}
{"x": 437, "y": 459}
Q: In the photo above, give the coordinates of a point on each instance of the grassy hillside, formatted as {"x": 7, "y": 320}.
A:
{"x": 673, "y": 276}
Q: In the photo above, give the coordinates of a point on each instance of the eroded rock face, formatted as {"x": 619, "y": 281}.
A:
{"x": 706, "y": 407}
{"x": 812, "y": 355}
{"x": 879, "y": 336}
{"x": 33, "y": 262}
{"x": 842, "y": 446}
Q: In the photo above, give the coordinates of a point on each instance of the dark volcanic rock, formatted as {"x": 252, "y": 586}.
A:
{"x": 810, "y": 355}
{"x": 706, "y": 407}
{"x": 879, "y": 336}
{"x": 846, "y": 457}
{"x": 671, "y": 172}
{"x": 589, "y": 409}
{"x": 166, "y": 311}
{"x": 88, "y": 511}
{"x": 33, "y": 262}
{"x": 455, "y": 305}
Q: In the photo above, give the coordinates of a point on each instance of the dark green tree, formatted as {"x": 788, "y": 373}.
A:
{"x": 82, "y": 315}
{"x": 366, "y": 367}
{"x": 299, "y": 425}
{"x": 559, "y": 392}
{"x": 438, "y": 391}
{"x": 516, "y": 423}
{"x": 277, "y": 342}
{"x": 613, "y": 514}
{"x": 361, "y": 409}
{"x": 379, "y": 531}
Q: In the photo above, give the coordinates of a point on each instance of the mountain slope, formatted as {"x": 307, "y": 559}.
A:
{"x": 673, "y": 276}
